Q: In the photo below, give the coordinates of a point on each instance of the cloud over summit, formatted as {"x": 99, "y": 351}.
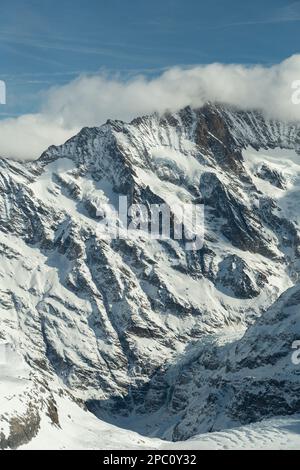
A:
{"x": 91, "y": 100}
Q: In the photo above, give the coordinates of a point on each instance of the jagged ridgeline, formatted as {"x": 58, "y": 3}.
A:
{"x": 186, "y": 341}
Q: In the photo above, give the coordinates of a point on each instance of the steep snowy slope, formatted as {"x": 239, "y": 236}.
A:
{"x": 81, "y": 430}
{"x": 123, "y": 325}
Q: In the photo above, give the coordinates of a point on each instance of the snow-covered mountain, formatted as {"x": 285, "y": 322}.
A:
{"x": 142, "y": 333}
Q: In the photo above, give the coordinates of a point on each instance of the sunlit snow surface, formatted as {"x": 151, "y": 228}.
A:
{"x": 81, "y": 430}
{"x": 287, "y": 163}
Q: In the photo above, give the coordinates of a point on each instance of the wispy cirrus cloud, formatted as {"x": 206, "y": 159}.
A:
{"x": 288, "y": 14}
{"x": 37, "y": 44}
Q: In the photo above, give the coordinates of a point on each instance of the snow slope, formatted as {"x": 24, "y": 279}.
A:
{"x": 81, "y": 430}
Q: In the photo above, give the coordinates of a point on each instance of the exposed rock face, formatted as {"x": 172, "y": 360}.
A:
{"x": 242, "y": 226}
{"x": 273, "y": 176}
{"x": 134, "y": 324}
{"x": 239, "y": 279}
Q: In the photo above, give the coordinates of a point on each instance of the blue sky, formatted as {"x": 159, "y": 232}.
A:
{"x": 49, "y": 42}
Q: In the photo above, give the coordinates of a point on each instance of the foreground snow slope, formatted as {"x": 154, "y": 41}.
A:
{"x": 142, "y": 333}
{"x": 81, "y": 430}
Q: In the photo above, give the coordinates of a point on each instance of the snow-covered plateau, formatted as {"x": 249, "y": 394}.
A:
{"x": 119, "y": 343}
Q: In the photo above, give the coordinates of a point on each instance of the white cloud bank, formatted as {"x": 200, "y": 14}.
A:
{"x": 90, "y": 101}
